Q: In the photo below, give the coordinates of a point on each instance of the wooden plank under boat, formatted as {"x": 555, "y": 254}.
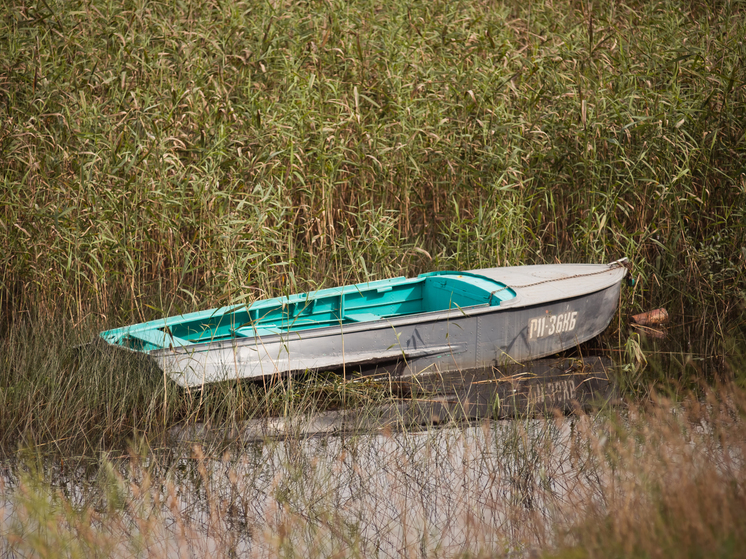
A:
{"x": 439, "y": 321}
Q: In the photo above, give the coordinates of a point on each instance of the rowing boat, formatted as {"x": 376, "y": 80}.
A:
{"x": 438, "y": 321}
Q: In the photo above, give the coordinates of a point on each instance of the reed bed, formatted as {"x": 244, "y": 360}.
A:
{"x": 66, "y": 396}
{"x": 160, "y": 158}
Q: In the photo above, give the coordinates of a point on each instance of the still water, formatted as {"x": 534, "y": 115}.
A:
{"x": 490, "y": 486}
{"x": 433, "y": 474}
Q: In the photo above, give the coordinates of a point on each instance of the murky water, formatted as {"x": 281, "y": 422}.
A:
{"x": 433, "y": 492}
{"x": 423, "y": 477}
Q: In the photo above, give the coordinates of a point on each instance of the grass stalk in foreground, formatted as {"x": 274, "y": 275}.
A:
{"x": 662, "y": 480}
{"x": 61, "y": 394}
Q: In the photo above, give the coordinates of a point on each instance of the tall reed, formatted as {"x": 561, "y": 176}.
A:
{"x": 156, "y": 159}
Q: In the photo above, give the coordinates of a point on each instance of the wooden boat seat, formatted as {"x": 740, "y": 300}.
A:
{"x": 362, "y": 316}
{"x": 158, "y": 338}
{"x": 250, "y": 332}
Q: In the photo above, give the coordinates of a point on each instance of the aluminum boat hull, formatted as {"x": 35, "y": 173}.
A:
{"x": 555, "y": 307}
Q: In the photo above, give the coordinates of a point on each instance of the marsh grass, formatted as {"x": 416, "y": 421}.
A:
{"x": 158, "y": 159}
{"x": 61, "y": 393}
{"x": 676, "y": 484}
{"x": 659, "y": 480}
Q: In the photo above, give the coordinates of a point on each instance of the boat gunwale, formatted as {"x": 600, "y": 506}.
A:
{"x": 608, "y": 275}
{"x": 383, "y": 323}
{"x": 306, "y": 298}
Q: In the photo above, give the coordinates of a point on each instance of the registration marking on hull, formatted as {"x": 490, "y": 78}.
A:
{"x": 547, "y": 325}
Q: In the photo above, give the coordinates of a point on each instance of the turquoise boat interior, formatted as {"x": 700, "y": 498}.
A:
{"x": 364, "y": 302}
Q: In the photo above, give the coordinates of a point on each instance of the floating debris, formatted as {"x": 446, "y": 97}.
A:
{"x": 651, "y": 318}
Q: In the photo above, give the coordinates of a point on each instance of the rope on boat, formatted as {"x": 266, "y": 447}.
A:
{"x": 623, "y": 262}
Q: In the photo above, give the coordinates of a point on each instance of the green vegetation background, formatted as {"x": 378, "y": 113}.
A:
{"x": 161, "y": 157}
{"x": 158, "y": 153}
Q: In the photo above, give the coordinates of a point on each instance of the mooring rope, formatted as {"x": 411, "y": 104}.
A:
{"x": 623, "y": 262}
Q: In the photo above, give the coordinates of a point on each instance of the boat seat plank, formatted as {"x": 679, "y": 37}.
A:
{"x": 250, "y": 332}
{"x": 362, "y": 316}
{"x": 159, "y": 338}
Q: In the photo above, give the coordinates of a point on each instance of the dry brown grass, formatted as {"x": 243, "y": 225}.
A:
{"x": 663, "y": 480}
